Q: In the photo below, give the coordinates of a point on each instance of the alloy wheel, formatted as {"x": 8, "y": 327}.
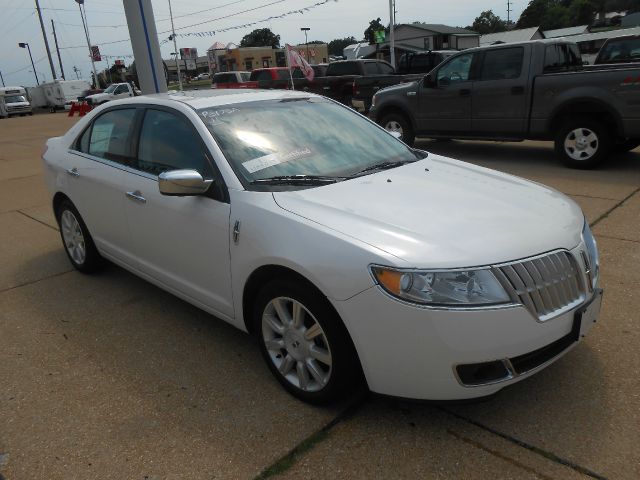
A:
{"x": 73, "y": 238}
{"x": 296, "y": 344}
{"x": 393, "y": 126}
{"x": 581, "y": 144}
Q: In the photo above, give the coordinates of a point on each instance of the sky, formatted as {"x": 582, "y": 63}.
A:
{"x": 108, "y": 27}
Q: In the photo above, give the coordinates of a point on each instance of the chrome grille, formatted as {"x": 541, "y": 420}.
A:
{"x": 547, "y": 285}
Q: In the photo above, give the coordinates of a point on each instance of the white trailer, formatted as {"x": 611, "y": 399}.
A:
{"x": 62, "y": 93}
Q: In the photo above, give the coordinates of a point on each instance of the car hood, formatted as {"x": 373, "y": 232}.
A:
{"x": 98, "y": 96}
{"x": 442, "y": 213}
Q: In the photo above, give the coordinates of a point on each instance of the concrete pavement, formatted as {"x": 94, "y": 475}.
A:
{"x": 107, "y": 376}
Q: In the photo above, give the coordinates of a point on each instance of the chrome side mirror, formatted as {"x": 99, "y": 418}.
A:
{"x": 182, "y": 183}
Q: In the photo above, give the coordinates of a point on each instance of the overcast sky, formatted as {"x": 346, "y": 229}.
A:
{"x": 107, "y": 23}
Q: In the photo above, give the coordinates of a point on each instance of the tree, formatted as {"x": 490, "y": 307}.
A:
{"x": 488, "y": 22}
{"x": 337, "y": 46}
{"x": 369, "y": 33}
{"x": 261, "y": 37}
{"x": 533, "y": 15}
{"x": 581, "y": 12}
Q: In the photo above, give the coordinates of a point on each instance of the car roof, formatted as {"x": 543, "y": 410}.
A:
{"x": 208, "y": 98}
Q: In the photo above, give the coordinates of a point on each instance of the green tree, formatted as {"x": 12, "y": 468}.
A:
{"x": 533, "y": 15}
{"x": 336, "y": 46}
{"x": 261, "y": 37}
{"x": 582, "y": 12}
{"x": 488, "y": 22}
{"x": 374, "y": 26}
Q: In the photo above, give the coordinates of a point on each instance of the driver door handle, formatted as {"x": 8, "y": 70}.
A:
{"x": 73, "y": 172}
{"x": 136, "y": 196}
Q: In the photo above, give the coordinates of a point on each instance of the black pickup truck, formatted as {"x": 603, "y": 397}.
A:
{"x": 410, "y": 68}
{"x": 519, "y": 91}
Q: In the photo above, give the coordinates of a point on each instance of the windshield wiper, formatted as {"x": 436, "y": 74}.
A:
{"x": 297, "y": 180}
{"x": 382, "y": 166}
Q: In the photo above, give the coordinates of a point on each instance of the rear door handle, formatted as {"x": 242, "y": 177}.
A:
{"x": 73, "y": 172}
{"x": 136, "y": 196}
{"x": 465, "y": 92}
{"x": 517, "y": 90}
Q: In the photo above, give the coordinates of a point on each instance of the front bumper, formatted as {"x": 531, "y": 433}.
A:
{"x": 413, "y": 352}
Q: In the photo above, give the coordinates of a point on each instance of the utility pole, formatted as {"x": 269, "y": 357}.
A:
{"x": 55, "y": 38}
{"x": 175, "y": 47}
{"x": 2, "y": 78}
{"x": 46, "y": 42}
{"x": 86, "y": 33}
{"x": 75, "y": 69}
{"x": 392, "y": 44}
{"x": 509, "y": 10}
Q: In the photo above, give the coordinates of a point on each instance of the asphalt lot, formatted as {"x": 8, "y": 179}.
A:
{"x": 107, "y": 376}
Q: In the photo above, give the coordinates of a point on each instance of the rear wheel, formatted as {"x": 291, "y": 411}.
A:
{"x": 77, "y": 241}
{"x": 583, "y": 143}
{"x": 396, "y": 122}
{"x": 304, "y": 342}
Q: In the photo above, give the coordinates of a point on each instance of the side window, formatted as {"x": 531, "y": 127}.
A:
{"x": 297, "y": 73}
{"x": 385, "y": 69}
{"x": 82, "y": 143}
{"x": 502, "y": 64}
{"x": 111, "y": 136}
{"x": 561, "y": 58}
{"x": 457, "y": 70}
{"x": 121, "y": 89}
{"x": 371, "y": 68}
{"x": 169, "y": 142}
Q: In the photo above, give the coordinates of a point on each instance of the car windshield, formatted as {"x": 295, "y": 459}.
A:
{"x": 111, "y": 88}
{"x": 14, "y": 99}
{"x": 299, "y": 137}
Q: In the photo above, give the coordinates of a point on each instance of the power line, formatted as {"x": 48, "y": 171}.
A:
{"x": 27, "y": 67}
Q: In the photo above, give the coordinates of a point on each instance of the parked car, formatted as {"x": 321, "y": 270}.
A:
{"x": 270, "y": 78}
{"x": 114, "y": 91}
{"x": 203, "y": 76}
{"x": 619, "y": 50}
{"x": 16, "y": 101}
{"x": 410, "y": 66}
{"x": 87, "y": 92}
{"x": 359, "y": 262}
{"x": 230, "y": 80}
{"x": 531, "y": 90}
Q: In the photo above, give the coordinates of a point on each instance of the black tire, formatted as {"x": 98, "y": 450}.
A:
{"x": 402, "y": 122}
{"x": 626, "y": 146}
{"x": 593, "y": 143}
{"x": 91, "y": 261}
{"x": 344, "y": 375}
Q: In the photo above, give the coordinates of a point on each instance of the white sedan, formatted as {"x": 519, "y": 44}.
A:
{"x": 355, "y": 260}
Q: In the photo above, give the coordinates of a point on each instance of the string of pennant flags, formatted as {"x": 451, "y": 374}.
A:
{"x": 211, "y": 33}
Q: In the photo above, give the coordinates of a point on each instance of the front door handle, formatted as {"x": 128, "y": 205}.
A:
{"x": 465, "y": 92}
{"x": 73, "y": 172}
{"x": 136, "y": 196}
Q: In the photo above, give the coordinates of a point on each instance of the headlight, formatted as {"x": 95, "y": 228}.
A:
{"x": 456, "y": 288}
{"x": 592, "y": 254}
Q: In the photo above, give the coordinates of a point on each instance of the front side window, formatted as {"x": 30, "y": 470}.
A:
{"x": 111, "y": 136}
{"x": 169, "y": 142}
{"x": 121, "y": 89}
{"x": 502, "y": 64}
{"x": 270, "y": 138}
{"x": 457, "y": 70}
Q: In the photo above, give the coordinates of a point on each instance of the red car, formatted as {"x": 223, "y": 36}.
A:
{"x": 230, "y": 80}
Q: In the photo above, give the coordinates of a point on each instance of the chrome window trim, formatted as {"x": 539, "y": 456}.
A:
{"x": 111, "y": 163}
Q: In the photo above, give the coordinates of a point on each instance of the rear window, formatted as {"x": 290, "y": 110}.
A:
{"x": 371, "y": 68}
{"x": 562, "y": 58}
{"x": 224, "y": 78}
{"x": 342, "y": 68}
{"x": 502, "y": 64}
{"x": 284, "y": 74}
{"x": 258, "y": 75}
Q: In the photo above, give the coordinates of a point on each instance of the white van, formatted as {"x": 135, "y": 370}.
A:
{"x": 62, "y": 93}
{"x": 15, "y": 99}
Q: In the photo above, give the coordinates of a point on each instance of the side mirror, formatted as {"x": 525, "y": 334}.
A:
{"x": 182, "y": 183}
{"x": 429, "y": 81}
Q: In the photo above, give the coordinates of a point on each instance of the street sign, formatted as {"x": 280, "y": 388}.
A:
{"x": 191, "y": 64}
{"x": 379, "y": 36}
{"x": 189, "y": 53}
{"x": 95, "y": 53}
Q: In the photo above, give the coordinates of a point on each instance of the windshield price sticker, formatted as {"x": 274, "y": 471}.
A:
{"x": 273, "y": 159}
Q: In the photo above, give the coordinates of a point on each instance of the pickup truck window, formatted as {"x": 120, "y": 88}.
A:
{"x": 371, "y": 68}
{"x": 562, "y": 58}
{"x": 385, "y": 69}
{"x": 624, "y": 50}
{"x": 457, "y": 70}
{"x": 342, "y": 68}
{"x": 502, "y": 64}
{"x": 121, "y": 89}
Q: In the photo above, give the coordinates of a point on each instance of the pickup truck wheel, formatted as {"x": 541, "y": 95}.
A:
{"x": 395, "y": 122}
{"x": 583, "y": 144}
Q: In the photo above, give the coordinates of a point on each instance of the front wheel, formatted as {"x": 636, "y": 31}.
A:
{"x": 583, "y": 144}
{"x": 77, "y": 241}
{"x": 396, "y": 122}
{"x": 304, "y": 342}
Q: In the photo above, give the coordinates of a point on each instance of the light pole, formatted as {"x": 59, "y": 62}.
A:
{"x": 175, "y": 46}
{"x": 77, "y": 72}
{"x": 2, "y": 78}
{"x": 26, "y": 45}
{"x": 306, "y": 41}
{"x": 86, "y": 32}
{"x": 44, "y": 77}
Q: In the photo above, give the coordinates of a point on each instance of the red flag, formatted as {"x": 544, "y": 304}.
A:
{"x": 296, "y": 60}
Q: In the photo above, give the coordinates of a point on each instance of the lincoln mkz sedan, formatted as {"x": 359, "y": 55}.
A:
{"x": 355, "y": 260}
